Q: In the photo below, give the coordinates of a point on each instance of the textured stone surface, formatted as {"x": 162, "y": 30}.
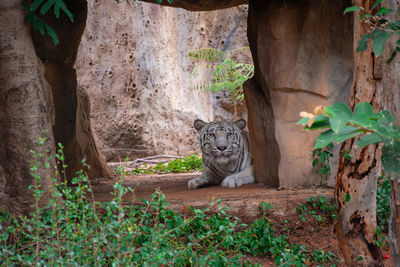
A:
{"x": 303, "y": 54}
{"x": 26, "y": 111}
{"x": 133, "y": 63}
{"x": 201, "y": 5}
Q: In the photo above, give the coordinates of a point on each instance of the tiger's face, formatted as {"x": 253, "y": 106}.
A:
{"x": 219, "y": 140}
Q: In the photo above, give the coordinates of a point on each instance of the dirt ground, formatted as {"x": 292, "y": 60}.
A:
{"x": 243, "y": 202}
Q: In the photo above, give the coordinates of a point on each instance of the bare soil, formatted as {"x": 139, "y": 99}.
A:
{"x": 243, "y": 202}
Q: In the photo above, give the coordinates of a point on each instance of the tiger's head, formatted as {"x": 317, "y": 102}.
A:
{"x": 220, "y": 140}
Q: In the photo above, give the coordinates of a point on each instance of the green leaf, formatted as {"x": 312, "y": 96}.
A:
{"x": 52, "y": 33}
{"x": 321, "y": 118}
{"x": 38, "y": 24}
{"x": 361, "y": 120}
{"x": 383, "y": 11}
{"x": 347, "y": 197}
{"x": 61, "y": 4}
{"x": 35, "y": 4}
{"x": 320, "y": 122}
{"x": 303, "y": 121}
{"x": 347, "y": 133}
{"x": 337, "y": 124}
{"x": 369, "y": 139}
{"x": 388, "y": 117}
{"x": 392, "y": 56}
{"x": 376, "y": 4}
{"x": 378, "y": 44}
{"x": 46, "y": 6}
{"x": 325, "y": 139}
{"x": 391, "y": 158}
{"x": 363, "y": 108}
{"x": 340, "y": 109}
{"x": 363, "y": 42}
{"x": 351, "y": 9}
{"x": 341, "y": 114}
{"x": 318, "y": 125}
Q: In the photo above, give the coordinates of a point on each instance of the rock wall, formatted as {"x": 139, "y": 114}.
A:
{"x": 133, "y": 63}
{"x": 302, "y": 51}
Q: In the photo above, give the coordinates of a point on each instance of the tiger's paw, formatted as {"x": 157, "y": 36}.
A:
{"x": 231, "y": 182}
{"x": 194, "y": 184}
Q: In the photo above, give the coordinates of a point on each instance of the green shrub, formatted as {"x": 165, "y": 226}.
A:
{"x": 188, "y": 164}
{"x": 73, "y": 229}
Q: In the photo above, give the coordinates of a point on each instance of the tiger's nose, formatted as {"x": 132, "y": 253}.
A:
{"x": 222, "y": 148}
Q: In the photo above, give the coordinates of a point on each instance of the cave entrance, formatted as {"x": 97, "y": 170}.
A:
{"x": 134, "y": 63}
{"x": 142, "y": 104}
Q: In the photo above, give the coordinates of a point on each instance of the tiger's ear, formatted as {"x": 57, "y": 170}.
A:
{"x": 240, "y": 124}
{"x": 199, "y": 124}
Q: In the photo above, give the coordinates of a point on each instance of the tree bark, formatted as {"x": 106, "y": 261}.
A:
{"x": 26, "y": 111}
{"x": 394, "y": 221}
{"x": 389, "y": 95}
{"x": 357, "y": 177}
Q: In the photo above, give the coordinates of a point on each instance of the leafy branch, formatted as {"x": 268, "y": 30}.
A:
{"x": 379, "y": 28}
{"x": 58, "y": 6}
{"x": 343, "y": 124}
{"x": 39, "y": 24}
{"x": 226, "y": 73}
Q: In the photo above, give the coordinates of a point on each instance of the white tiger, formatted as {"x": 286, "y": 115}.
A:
{"x": 226, "y": 157}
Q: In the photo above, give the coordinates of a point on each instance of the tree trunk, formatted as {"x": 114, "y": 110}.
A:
{"x": 389, "y": 95}
{"x": 356, "y": 180}
{"x": 72, "y": 111}
{"x": 25, "y": 110}
{"x": 394, "y": 221}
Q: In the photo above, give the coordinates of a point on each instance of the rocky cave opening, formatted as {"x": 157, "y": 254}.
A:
{"x": 133, "y": 63}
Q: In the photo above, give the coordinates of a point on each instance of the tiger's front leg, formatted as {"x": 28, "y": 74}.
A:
{"x": 237, "y": 179}
{"x": 203, "y": 180}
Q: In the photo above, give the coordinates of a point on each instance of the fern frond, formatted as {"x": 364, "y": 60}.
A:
{"x": 244, "y": 69}
{"x": 208, "y": 54}
{"x": 226, "y": 75}
{"x": 38, "y": 23}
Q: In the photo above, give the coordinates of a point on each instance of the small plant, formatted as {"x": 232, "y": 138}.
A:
{"x": 318, "y": 208}
{"x": 188, "y": 164}
{"x": 322, "y": 162}
{"x": 383, "y": 201}
{"x": 227, "y": 74}
{"x": 382, "y": 210}
{"x": 320, "y": 256}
